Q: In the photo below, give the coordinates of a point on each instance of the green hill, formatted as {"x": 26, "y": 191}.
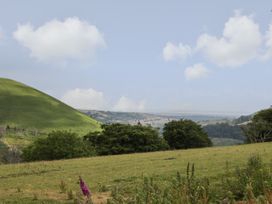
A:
{"x": 22, "y": 106}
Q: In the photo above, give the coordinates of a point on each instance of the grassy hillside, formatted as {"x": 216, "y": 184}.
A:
{"x": 41, "y": 179}
{"x": 26, "y": 107}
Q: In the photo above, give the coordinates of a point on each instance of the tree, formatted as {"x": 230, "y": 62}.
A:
{"x": 224, "y": 130}
{"x": 185, "y": 134}
{"x": 57, "y": 145}
{"x": 260, "y": 128}
{"x": 124, "y": 138}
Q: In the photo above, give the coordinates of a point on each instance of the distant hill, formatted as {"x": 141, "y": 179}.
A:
{"x": 156, "y": 120}
{"x": 22, "y": 106}
{"x": 243, "y": 119}
{"x": 228, "y": 135}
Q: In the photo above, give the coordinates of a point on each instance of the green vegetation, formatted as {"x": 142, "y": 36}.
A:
{"x": 58, "y": 145}
{"x": 260, "y": 128}
{"x": 124, "y": 138}
{"x": 252, "y": 184}
{"x": 3, "y": 151}
{"x": 242, "y": 119}
{"x": 184, "y": 134}
{"x": 225, "y": 141}
{"x": 224, "y": 130}
{"x": 20, "y": 182}
{"x": 24, "y": 107}
{"x": 255, "y": 177}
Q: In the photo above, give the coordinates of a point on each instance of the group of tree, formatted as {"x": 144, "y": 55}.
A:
{"x": 125, "y": 138}
{"x": 259, "y": 129}
{"x": 184, "y": 134}
{"x": 117, "y": 139}
{"x": 57, "y": 145}
{"x": 224, "y": 130}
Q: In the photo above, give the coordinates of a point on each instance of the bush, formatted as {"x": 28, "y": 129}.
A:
{"x": 124, "y": 138}
{"x": 255, "y": 177}
{"x": 185, "y": 134}
{"x": 57, "y": 145}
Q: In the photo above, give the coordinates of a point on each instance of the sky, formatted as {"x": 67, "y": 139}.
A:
{"x": 142, "y": 56}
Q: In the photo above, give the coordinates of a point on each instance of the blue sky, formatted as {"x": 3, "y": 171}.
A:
{"x": 147, "y": 56}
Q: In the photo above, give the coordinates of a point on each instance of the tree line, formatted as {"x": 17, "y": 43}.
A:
{"x": 117, "y": 139}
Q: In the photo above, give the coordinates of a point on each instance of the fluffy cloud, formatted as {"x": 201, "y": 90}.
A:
{"x": 176, "y": 52}
{"x": 127, "y": 105}
{"x": 85, "y": 99}
{"x": 60, "y": 40}
{"x": 240, "y": 42}
{"x": 196, "y": 71}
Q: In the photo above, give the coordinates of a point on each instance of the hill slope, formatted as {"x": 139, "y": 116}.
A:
{"x": 25, "y": 107}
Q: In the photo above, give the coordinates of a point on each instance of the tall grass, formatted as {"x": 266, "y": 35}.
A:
{"x": 251, "y": 184}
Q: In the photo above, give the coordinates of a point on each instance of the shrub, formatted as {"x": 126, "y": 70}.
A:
{"x": 57, "y": 145}
{"x": 124, "y": 138}
{"x": 185, "y": 134}
{"x": 255, "y": 178}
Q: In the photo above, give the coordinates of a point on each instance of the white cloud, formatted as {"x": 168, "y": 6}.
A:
{"x": 125, "y": 104}
{"x": 196, "y": 71}
{"x": 176, "y": 52}
{"x": 240, "y": 42}
{"x": 85, "y": 99}
{"x": 60, "y": 40}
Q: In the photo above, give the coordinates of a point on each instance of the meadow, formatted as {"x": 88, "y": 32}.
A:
{"x": 39, "y": 182}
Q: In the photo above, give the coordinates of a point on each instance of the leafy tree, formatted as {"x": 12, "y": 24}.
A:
{"x": 57, "y": 145}
{"x": 124, "y": 138}
{"x": 264, "y": 115}
{"x": 260, "y": 128}
{"x": 185, "y": 134}
{"x": 224, "y": 130}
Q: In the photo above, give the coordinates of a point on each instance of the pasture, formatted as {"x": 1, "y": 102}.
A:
{"x": 39, "y": 182}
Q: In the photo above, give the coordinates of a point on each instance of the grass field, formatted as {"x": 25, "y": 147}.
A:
{"x": 40, "y": 180}
{"x": 25, "y": 107}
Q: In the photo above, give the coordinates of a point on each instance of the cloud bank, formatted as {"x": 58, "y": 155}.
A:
{"x": 60, "y": 40}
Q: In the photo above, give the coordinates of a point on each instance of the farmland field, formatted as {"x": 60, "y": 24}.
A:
{"x": 39, "y": 181}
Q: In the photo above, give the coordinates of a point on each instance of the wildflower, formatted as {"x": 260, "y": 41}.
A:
{"x": 84, "y": 188}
